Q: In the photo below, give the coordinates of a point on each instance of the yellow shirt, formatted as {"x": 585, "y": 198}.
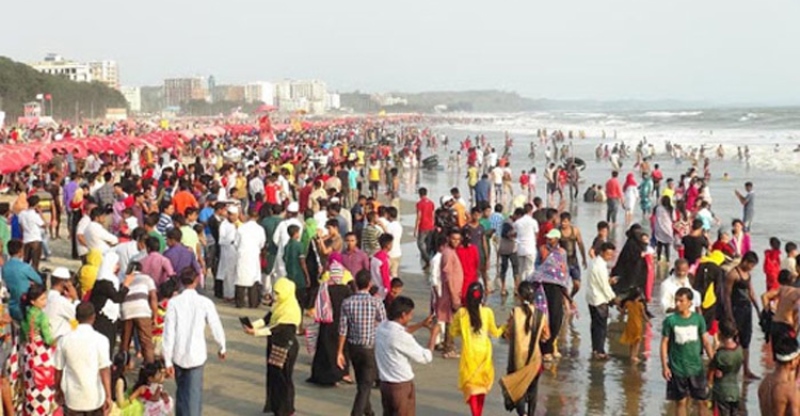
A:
{"x": 374, "y": 173}
{"x": 472, "y": 175}
{"x": 461, "y": 214}
{"x": 360, "y": 155}
{"x": 668, "y": 192}
{"x": 475, "y": 369}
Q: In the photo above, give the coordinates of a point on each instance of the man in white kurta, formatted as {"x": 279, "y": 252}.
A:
{"x": 250, "y": 241}
{"x": 227, "y": 253}
{"x": 281, "y": 236}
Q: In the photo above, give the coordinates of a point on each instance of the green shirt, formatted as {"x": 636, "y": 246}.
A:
{"x": 685, "y": 344}
{"x": 292, "y": 256}
{"x": 162, "y": 243}
{"x": 5, "y": 234}
{"x": 729, "y": 362}
{"x": 270, "y": 224}
{"x": 484, "y": 222}
{"x": 40, "y": 323}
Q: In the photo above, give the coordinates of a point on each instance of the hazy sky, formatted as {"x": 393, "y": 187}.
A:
{"x": 712, "y": 50}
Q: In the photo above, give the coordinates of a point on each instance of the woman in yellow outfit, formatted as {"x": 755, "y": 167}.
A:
{"x": 475, "y": 325}
{"x": 87, "y": 274}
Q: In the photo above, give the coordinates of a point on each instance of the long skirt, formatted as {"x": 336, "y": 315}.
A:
{"x": 280, "y": 386}
{"x": 39, "y": 378}
{"x": 324, "y": 369}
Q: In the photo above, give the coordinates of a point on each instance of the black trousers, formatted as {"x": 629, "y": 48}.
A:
{"x": 75, "y": 217}
{"x": 249, "y": 297}
{"x": 599, "y": 327}
{"x": 108, "y": 329}
{"x": 363, "y": 360}
{"x": 555, "y": 313}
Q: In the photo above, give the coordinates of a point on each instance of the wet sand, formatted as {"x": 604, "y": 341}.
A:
{"x": 578, "y": 385}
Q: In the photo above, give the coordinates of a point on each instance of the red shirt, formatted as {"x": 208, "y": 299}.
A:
{"x": 425, "y": 211}
{"x": 613, "y": 190}
{"x": 304, "y": 195}
{"x": 524, "y": 179}
{"x": 543, "y": 230}
{"x": 271, "y": 193}
{"x": 470, "y": 262}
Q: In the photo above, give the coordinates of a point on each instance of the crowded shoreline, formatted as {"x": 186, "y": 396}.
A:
{"x": 574, "y": 352}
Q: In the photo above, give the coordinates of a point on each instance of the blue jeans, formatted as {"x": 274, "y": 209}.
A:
{"x": 189, "y": 398}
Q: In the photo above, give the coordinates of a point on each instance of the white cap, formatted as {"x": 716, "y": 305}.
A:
{"x": 60, "y": 273}
{"x": 233, "y": 209}
{"x": 293, "y": 207}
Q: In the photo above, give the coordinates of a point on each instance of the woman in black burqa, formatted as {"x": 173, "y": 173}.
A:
{"x": 631, "y": 267}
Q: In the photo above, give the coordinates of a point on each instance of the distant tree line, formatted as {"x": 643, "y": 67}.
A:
{"x": 20, "y": 84}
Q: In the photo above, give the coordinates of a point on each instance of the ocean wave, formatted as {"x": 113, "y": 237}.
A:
{"x": 666, "y": 114}
{"x": 587, "y": 115}
{"x": 749, "y": 116}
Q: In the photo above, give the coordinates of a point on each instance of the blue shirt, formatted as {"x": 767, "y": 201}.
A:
{"x": 482, "y": 190}
{"x": 18, "y": 276}
{"x": 204, "y": 215}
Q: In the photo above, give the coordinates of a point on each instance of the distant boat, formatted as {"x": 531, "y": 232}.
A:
{"x": 579, "y": 163}
{"x": 431, "y": 162}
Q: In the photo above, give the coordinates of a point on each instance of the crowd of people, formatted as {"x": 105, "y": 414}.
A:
{"x": 308, "y": 224}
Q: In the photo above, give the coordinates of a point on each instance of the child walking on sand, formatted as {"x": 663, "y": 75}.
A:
{"x": 636, "y": 310}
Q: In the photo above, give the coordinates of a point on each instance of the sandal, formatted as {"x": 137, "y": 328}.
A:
{"x": 450, "y": 355}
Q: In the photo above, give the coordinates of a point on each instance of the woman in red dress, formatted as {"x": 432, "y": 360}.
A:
{"x": 470, "y": 262}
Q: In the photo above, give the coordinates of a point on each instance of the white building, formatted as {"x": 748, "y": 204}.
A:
{"x": 260, "y": 92}
{"x": 333, "y": 101}
{"x": 54, "y": 64}
{"x": 310, "y": 96}
{"x": 106, "y": 72}
{"x": 134, "y": 97}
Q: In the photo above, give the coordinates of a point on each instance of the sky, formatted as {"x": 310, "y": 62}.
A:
{"x": 734, "y": 51}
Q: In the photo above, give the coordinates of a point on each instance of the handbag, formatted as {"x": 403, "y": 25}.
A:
{"x": 277, "y": 356}
{"x": 515, "y": 385}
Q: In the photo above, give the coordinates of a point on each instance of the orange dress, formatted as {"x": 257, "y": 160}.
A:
{"x": 634, "y": 326}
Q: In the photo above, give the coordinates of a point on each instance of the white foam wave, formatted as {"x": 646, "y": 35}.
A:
{"x": 666, "y": 114}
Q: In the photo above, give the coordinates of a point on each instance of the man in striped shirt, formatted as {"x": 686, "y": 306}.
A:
{"x": 361, "y": 314}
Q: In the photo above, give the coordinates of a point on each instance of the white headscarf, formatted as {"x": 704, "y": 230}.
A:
{"x": 106, "y": 272}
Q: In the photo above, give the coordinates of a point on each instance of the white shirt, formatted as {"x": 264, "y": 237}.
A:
{"x": 396, "y": 230}
{"x": 436, "y": 273}
{"x": 184, "y": 340}
{"x": 497, "y": 175}
{"x": 98, "y": 237}
{"x": 81, "y": 355}
{"x": 670, "y": 285}
{"x": 60, "y": 312}
{"x": 137, "y": 301}
{"x": 80, "y": 229}
{"x": 127, "y": 251}
{"x": 600, "y": 291}
{"x": 526, "y": 228}
{"x": 32, "y": 225}
{"x": 250, "y": 240}
{"x": 394, "y": 347}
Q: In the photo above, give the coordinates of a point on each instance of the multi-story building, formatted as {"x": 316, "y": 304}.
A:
{"x": 333, "y": 101}
{"x": 106, "y": 72}
{"x": 54, "y": 64}
{"x": 234, "y": 93}
{"x": 260, "y": 91}
{"x": 309, "y": 96}
{"x": 180, "y": 90}
{"x": 133, "y": 95}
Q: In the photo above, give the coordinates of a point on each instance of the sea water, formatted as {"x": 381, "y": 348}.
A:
{"x": 577, "y": 385}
